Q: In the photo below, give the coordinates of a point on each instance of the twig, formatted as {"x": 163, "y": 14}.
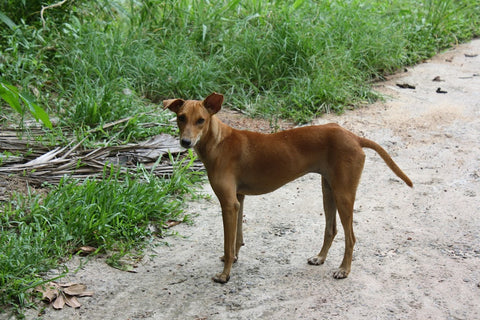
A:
{"x": 108, "y": 125}
{"x": 73, "y": 149}
{"x": 58, "y": 4}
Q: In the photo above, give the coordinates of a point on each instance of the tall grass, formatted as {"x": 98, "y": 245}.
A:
{"x": 118, "y": 214}
{"x": 293, "y": 59}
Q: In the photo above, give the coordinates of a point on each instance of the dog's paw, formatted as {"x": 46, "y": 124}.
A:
{"x": 221, "y": 278}
{"x": 316, "y": 260}
{"x": 340, "y": 273}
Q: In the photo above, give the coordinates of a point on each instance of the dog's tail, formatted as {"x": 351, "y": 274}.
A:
{"x": 365, "y": 143}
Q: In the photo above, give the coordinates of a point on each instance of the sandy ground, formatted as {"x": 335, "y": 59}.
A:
{"x": 417, "y": 254}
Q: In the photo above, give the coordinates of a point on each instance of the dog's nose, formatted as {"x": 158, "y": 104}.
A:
{"x": 186, "y": 143}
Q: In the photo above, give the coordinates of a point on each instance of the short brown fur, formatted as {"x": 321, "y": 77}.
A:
{"x": 240, "y": 163}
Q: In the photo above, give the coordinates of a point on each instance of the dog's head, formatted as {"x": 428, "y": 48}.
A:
{"x": 193, "y": 116}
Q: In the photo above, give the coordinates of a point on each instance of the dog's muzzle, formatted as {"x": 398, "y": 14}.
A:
{"x": 186, "y": 143}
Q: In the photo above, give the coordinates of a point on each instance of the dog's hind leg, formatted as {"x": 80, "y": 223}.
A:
{"x": 345, "y": 189}
{"x": 239, "y": 242}
{"x": 330, "y": 209}
{"x": 345, "y": 210}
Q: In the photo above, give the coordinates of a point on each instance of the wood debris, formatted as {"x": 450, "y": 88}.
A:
{"x": 38, "y": 164}
{"x": 406, "y": 86}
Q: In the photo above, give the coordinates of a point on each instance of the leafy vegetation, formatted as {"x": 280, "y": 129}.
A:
{"x": 87, "y": 63}
{"x": 117, "y": 214}
{"x": 96, "y": 61}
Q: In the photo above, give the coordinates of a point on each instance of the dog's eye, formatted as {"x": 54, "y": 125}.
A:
{"x": 181, "y": 118}
{"x": 200, "y": 121}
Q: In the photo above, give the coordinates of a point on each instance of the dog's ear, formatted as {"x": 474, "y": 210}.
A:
{"x": 173, "y": 104}
{"x": 213, "y": 102}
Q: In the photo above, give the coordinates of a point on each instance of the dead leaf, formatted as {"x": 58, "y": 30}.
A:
{"x": 86, "y": 250}
{"x": 64, "y": 293}
{"x": 75, "y": 289}
{"x": 72, "y": 301}
{"x": 59, "y": 302}
{"x": 86, "y": 294}
{"x": 67, "y": 284}
{"x": 172, "y": 223}
{"x": 49, "y": 291}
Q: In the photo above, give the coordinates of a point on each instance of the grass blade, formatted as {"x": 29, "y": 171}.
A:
{"x": 5, "y": 19}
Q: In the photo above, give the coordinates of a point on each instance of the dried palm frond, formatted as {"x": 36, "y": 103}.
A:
{"x": 38, "y": 164}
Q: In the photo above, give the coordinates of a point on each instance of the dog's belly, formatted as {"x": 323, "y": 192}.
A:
{"x": 264, "y": 183}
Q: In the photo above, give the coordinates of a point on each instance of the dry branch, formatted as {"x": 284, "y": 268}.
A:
{"x": 58, "y": 4}
{"x": 43, "y": 165}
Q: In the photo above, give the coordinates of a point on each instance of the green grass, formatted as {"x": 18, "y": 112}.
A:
{"x": 293, "y": 59}
{"x": 117, "y": 214}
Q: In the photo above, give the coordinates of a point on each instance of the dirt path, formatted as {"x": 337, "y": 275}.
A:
{"x": 418, "y": 250}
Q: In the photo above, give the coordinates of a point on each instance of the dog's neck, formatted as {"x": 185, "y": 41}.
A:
{"x": 216, "y": 133}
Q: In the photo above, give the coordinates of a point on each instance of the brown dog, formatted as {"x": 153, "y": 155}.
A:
{"x": 243, "y": 163}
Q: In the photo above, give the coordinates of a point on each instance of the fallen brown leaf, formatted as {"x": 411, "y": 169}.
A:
{"x": 59, "y": 302}
{"x": 72, "y": 301}
{"x": 49, "y": 291}
{"x": 86, "y": 250}
{"x": 75, "y": 289}
{"x": 66, "y": 284}
{"x": 64, "y": 293}
{"x": 172, "y": 223}
{"x": 86, "y": 294}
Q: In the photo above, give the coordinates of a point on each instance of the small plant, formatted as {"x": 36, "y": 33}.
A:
{"x": 13, "y": 97}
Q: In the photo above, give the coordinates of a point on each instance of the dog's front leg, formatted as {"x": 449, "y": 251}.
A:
{"x": 239, "y": 241}
{"x": 230, "y": 211}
